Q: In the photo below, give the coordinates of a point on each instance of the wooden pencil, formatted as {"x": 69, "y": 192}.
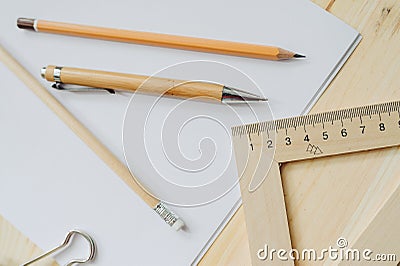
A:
{"x": 158, "y": 39}
{"x": 87, "y": 137}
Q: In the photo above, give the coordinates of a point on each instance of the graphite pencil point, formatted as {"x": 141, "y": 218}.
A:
{"x": 299, "y": 56}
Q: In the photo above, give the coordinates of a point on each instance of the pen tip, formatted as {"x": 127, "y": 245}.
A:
{"x": 232, "y": 95}
{"x": 254, "y": 99}
{"x": 299, "y": 56}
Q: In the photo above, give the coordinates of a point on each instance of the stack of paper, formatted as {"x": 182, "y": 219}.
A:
{"x": 51, "y": 182}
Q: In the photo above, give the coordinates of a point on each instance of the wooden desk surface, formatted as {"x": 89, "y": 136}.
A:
{"x": 371, "y": 75}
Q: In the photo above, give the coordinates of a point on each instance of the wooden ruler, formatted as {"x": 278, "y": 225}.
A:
{"x": 261, "y": 148}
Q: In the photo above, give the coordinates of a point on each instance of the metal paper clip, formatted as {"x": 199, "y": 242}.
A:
{"x": 65, "y": 244}
{"x": 77, "y": 88}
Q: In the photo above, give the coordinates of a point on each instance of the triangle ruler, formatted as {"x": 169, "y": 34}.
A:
{"x": 261, "y": 148}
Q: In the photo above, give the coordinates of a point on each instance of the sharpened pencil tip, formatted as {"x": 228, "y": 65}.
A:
{"x": 299, "y": 56}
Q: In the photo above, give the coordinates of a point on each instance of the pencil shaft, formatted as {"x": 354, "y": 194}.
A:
{"x": 79, "y": 129}
{"x": 165, "y": 40}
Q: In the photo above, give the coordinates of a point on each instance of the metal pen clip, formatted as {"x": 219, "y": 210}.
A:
{"x": 77, "y": 88}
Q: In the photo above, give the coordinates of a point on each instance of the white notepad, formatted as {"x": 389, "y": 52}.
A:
{"x": 51, "y": 182}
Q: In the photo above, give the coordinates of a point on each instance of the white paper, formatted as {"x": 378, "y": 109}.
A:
{"x": 50, "y": 181}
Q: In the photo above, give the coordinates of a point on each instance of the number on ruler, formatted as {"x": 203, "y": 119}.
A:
{"x": 269, "y": 144}
{"x": 325, "y": 135}
{"x": 381, "y": 126}
{"x": 343, "y": 132}
{"x": 362, "y": 129}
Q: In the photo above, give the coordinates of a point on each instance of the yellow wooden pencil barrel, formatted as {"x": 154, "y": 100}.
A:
{"x": 159, "y": 39}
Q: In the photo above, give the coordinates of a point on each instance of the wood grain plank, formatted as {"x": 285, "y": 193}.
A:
{"x": 231, "y": 246}
{"x": 359, "y": 183}
{"x": 15, "y": 248}
{"x": 322, "y": 3}
{"x": 369, "y": 76}
{"x": 382, "y": 242}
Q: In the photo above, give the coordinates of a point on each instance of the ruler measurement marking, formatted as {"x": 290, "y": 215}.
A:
{"x": 347, "y": 135}
{"x": 332, "y": 116}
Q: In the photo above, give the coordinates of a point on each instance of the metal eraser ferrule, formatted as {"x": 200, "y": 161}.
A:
{"x": 168, "y": 216}
{"x": 26, "y": 23}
